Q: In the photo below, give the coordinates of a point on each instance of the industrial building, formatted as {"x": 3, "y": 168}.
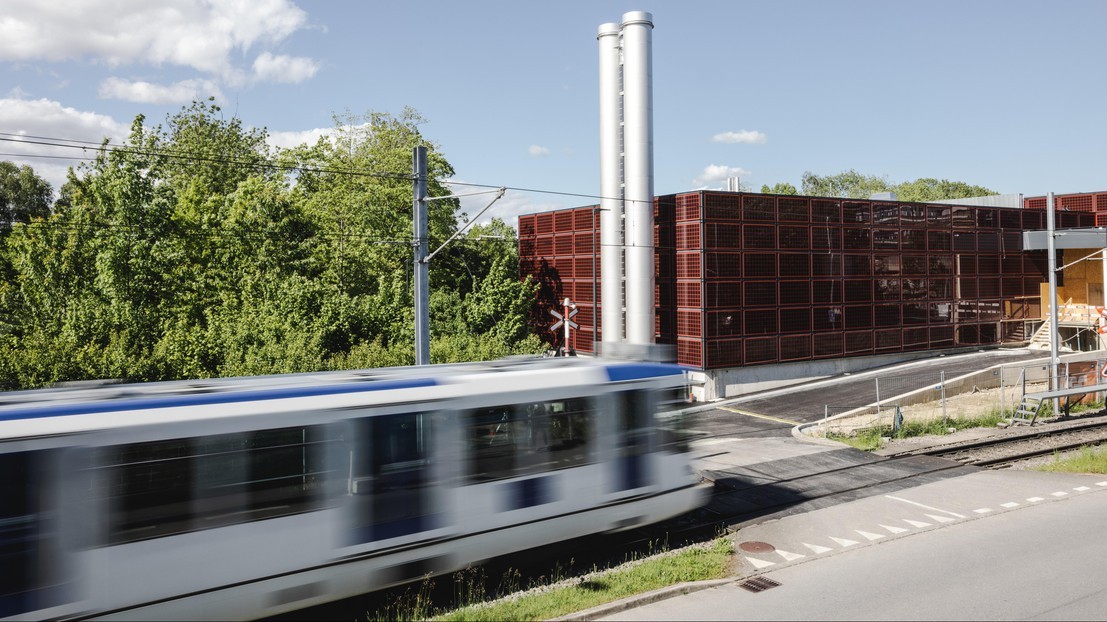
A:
{"x": 747, "y": 279}
{"x": 758, "y": 290}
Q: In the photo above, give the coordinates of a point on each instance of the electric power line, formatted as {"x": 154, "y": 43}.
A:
{"x": 263, "y": 164}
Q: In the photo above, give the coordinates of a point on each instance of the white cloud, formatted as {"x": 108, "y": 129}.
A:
{"x": 150, "y": 93}
{"x": 715, "y": 173}
{"x": 42, "y": 117}
{"x": 202, "y": 34}
{"x": 749, "y": 137}
{"x": 286, "y": 69}
{"x": 538, "y": 151}
{"x": 287, "y": 140}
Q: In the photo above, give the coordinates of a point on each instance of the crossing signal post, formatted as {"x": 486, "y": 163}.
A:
{"x": 565, "y": 320}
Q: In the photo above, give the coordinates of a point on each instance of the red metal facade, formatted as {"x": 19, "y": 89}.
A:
{"x": 1093, "y": 202}
{"x": 746, "y": 279}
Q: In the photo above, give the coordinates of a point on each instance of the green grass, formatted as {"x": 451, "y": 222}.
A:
{"x": 560, "y": 597}
{"x": 1087, "y": 460}
{"x": 871, "y": 438}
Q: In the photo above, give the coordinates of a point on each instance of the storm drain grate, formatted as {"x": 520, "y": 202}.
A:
{"x": 758, "y": 584}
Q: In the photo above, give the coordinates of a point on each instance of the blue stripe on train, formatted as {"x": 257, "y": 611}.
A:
{"x": 206, "y": 399}
{"x": 638, "y": 371}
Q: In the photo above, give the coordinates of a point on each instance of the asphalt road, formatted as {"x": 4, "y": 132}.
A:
{"x": 805, "y": 403}
{"x": 994, "y": 546}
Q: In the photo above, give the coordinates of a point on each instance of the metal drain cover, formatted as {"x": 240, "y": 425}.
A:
{"x": 758, "y": 584}
{"x": 757, "y": 547}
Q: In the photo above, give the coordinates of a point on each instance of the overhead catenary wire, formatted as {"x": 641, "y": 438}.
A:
{"x": 261, "y": 163}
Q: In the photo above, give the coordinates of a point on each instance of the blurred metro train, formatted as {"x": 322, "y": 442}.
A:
{"x": 247, "y": 497}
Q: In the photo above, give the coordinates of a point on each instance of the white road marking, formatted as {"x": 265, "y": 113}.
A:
{"x": 895, "y": 529}
{"x": 870, "y": 536}
{"x": 1010, "y": 504}
{"x": 940, "y": 519}
{"x": 926, "y": 507}
{"x": 790, "y": 557}
{"x": 816, "y": 549}
{"x": 1081, "y": 488}
{"x": 1034, "y": 499}
{"x": 982, "y": 510}
{"x": 759, "y": 563}
{"x": 843, "y": 541}
{"x": 1101, "y": 483}
{"x": 1060, "y": 493}
{"x": 916, "y": 523}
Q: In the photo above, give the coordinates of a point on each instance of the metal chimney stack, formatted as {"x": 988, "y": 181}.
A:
{"x": 635, "y": 43}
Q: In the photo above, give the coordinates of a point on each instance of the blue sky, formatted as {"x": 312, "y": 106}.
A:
{"x": 1004, "y": 94}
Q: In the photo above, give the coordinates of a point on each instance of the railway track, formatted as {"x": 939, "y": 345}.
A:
{"x": 1005, "y": 451}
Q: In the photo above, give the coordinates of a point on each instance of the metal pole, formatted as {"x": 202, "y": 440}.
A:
{"x": 826, "y": 420}
{"x": 942, "y": 379}
{"x": 422, "y": 282}
{"x": 1002, "y": 401}
{"x": 878, "y": 395}
{"x": 1054, "y": 329}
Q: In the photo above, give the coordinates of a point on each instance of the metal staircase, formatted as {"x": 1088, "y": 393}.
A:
{"x": 1028, "y": 410}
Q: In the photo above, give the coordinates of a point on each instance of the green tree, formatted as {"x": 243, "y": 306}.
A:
{"x": 189, "y": 251}
{"x": 23, "y": 195}
{"x": 847, "y": 184}
{"x": 930, "y": 189}
{"x": 779, "y": 188}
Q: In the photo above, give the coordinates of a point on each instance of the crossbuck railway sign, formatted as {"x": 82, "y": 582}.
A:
{"x": 565, "y": 319}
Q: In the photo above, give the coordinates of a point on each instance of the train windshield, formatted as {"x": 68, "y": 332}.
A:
{"x": 671, "y": 423}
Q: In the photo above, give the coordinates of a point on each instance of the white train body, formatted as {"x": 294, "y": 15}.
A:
{"x": 244, "y": 498}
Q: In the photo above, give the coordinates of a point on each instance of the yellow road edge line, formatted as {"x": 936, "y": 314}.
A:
{"x": 749, "y": 414}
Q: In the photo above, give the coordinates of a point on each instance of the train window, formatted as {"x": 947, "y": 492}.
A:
{"x": 520, "y": 439}
{"x": 391, "y": 477}
{"x": 672, "y": 427}
{"x": 167, "y": 487}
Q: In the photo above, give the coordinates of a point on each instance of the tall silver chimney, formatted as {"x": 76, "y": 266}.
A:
{"x": 626, "y": 52}
{"x": 637, "y": 28}
{"x": 611, "y": 185}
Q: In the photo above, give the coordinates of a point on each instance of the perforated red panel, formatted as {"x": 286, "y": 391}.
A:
{"x": 761, "y": 349}
{"x": 859, "y": 342}
{"x": 582, "y": 244}
{"x": 690, "y": 352}
{"x": 689, "y": 323}
{"x": 794, "y": 209}
{"x": 687, "y": 207}
{"x": 724, "y": 353}
{"x": 563, "y": 244}
{"x": 722, "y": 236}
{"x": 795, "y": 347}
{"x": 544, "y": 223}
{"x": 759, "y": 237}
{"x": 758, "y": 207}
{"x": 827, "y": 344}
{"x": 721, "y": 206}
{"x": 688, "y": 265}
{"x": 544, "y": 245}
{"x": 526, "y": 225}
{"x": 688, "y": 236}
{"x": 689, "y": 294}
{"x": 563, "y": 221}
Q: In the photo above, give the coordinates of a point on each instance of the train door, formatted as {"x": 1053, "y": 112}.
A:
{"x": 633, "y": 427}
{"x": 393, "y": 477}
{"x": 30, "y": 558}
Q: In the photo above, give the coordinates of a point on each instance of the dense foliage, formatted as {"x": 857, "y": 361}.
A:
{"x": 853, "y": 185}
{"x": 193, "y": 252}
